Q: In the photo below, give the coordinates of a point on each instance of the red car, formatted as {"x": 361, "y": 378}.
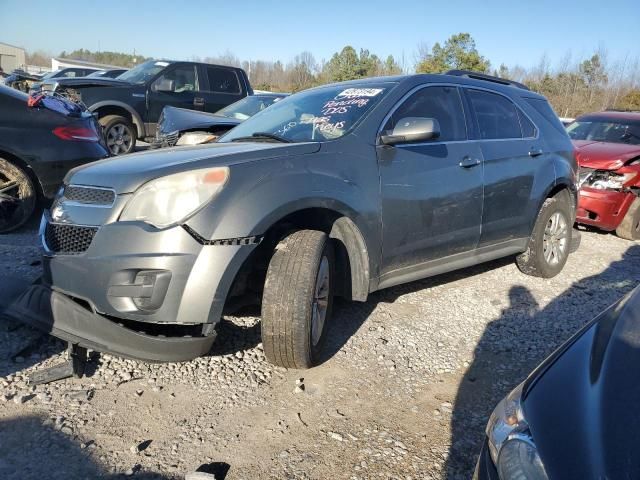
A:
{"x": 608, "y": 153}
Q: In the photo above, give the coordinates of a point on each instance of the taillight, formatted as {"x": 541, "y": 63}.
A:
{"x": 79, "y": 134}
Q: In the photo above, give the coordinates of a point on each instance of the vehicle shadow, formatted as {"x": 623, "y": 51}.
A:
{"x": 33, "y": 448}
{"x": 517, "y": 341}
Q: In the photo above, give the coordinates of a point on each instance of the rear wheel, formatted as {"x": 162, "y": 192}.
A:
{"x": 119, "y": 134}
{"x": 297, "y": 299}
{"x": 17, "y": 196}
{"x": 550, "y": 240}
{"x": 629, "y": 228}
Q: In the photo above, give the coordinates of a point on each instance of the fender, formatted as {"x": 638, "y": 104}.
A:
{"x": 137, "y": 120}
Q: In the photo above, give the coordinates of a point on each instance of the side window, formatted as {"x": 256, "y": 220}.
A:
{"x": 442, "y": 103}
{"x": 544, "y": 109}
{"x": 178, "y": 80}
{"x": 69, "y": 74}
{"x": 497, "y": 116}
{"x": 528, "y": 128}
{"x": 223, "y": 80}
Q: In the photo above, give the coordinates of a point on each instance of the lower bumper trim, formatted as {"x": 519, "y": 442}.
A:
{"x": 59, "y": 315}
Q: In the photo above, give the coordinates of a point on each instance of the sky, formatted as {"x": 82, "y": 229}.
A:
{"x": 506, "y": 31}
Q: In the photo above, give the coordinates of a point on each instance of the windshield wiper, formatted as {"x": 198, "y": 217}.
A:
{"x": 263, "y": 135}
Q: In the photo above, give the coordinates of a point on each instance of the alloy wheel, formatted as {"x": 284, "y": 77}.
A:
{"x": 556, "y": 239}
{"x": 119, "y": 139}
{"x": 320, "y": 301}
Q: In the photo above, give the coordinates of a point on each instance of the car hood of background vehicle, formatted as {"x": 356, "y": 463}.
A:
{"x": 583, "y": 410}
{"x": 604, "y": 156}
{"x": 88, "y": 82}
{"x": 126, "y": 173}
{"x": 179, "y": 119}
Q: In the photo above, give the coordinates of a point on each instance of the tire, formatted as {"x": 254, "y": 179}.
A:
{"x": 629, "y": 228}
{"x": 290, "y": 336}
{"x": 18, "y": 198}
{"x": 548, "y": 250}
{"x": 119, "y": 134}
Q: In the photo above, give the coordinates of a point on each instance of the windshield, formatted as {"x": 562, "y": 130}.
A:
{"x": 606, "y": 130}
{"x": 247, "y": 107}
{"x": 312, "y": 116}
{"x": 50, "y": 74}
{"x": 143, "y": 72}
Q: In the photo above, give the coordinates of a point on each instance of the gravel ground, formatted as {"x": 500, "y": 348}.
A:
{"x": 409, "y": 381}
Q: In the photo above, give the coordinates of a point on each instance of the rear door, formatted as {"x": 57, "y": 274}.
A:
{"x": 222, "y": 87}
{"x": 513, "y": 155}
{"x": 431, "y": 190}
{"x": 178, "y": 86}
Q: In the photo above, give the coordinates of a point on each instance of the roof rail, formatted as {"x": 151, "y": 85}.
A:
{"x": 484, "y": 76}
{"x": 624, "y": 110}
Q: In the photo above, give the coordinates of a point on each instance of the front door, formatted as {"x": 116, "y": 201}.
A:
{"x": 177, "y": 87}
{"x": 432, "y": 192}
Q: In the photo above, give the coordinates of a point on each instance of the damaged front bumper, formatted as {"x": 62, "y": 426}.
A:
{"x": 602, "y": 208}
{"x": 65, "y": 318}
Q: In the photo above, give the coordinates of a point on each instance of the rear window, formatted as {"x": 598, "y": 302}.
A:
{"x": 223, "y": 80}
{"x": 544, "y": 109}
{"x": 497, "y": 116}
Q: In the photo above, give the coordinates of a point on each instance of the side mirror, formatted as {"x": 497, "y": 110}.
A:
{"x": 163, "y": 85}
{"x": 412, "y": 130}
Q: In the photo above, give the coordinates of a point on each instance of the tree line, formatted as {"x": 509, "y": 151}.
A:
{"x": 574, "y": 86}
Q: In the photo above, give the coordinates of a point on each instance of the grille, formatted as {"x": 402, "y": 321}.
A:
{"x": 93, "y": 196}
{"x": 68, "y": 238}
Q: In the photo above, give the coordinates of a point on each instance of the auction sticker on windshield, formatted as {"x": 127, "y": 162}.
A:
{"x": 359, "y": 92}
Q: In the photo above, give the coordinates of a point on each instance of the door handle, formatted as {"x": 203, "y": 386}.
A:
{"x": 198, "y": 102}
{"x": 468, "y": 162}
{"x": 535, "y": 152}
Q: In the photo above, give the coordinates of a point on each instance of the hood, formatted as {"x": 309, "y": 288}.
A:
{"x": 604, "y": 156}
{"x": 126, "y": 173}
{"x": 87, "y": 82}
{"x": 582, "y": 410}
{"x": 180, "y": 119}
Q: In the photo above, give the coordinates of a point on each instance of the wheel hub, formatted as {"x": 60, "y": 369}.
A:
{"x": 320, "y": 301}
{"x": 555, "y": 239}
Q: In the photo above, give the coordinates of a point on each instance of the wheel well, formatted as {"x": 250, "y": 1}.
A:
{"x": 115, "y": 110}
{"x": 25, "y": 167}
{"x": 352, "y": 261}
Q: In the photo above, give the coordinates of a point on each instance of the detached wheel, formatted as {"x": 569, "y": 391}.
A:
{"x": 17, "y": 196}
{"x": 297, "y": 299}
{"x": 550, "y": 241}
{"x": 629, "y": 228}
{"x": 119, "y": 134}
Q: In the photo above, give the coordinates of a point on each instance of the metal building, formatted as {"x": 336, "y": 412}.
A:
{"x": 11, "y": 57}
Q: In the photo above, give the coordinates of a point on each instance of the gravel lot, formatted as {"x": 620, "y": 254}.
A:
{"x": 409, "y": 381}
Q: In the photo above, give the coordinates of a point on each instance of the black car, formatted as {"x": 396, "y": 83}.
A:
{"x": 70, "y": 72}
{"x": 40, "y": 140}
{"x": 112, "y": 73}
{"x": 575, "y": 416}
{"x": 129, "y": 106}
{"x": 179, "y": 126}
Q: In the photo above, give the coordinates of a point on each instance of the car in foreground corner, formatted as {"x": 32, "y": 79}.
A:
{"x": 575, "y": 416}
{"x": 343, "y": 189}
{"x": 40, "y": 141}
{"x": 608, "y": 153}
{"x": 180, "y": 126}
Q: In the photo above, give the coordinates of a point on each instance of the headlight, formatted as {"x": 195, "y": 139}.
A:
{"x": 196, "y": 138}
{"x": 169, "y": 200}
{"x": 510, "y": 443}
{"x": 610, "y": 180}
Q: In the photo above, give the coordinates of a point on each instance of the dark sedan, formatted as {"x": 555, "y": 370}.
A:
{"x": 179, "y": 126}
{"x": 41, "y": 138}
{"x": 575, "y": 416}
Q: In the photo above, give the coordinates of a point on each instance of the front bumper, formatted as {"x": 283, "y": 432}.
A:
{"x": 485, "y": 468}
{"x": 62, "y": 317}
{"x": 604, "y": 209}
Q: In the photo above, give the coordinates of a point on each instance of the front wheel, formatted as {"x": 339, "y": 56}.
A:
{"x": 550, "y": 240}
{"x": 297, "y": 299}
{"x": 119, "y": 134}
